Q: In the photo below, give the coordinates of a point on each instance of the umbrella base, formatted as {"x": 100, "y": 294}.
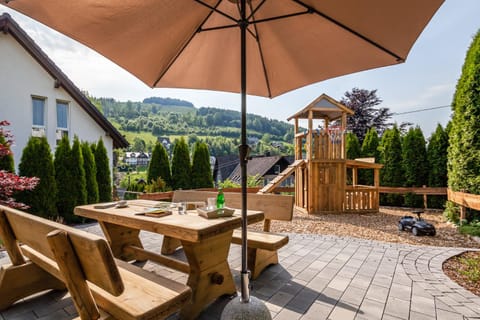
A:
{"x": 255, "y": 309}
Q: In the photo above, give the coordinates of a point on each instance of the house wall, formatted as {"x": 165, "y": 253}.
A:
{"x": 21, "y": 77}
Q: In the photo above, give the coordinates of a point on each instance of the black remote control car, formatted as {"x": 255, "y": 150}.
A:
{"x": 417, "y": 226}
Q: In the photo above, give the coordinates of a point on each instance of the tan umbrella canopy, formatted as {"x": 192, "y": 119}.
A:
{"x": 257, "y": 47}
{"x": 165, "y": 43}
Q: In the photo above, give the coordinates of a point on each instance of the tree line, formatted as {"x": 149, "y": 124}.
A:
{"x": 181, "y": 173}
{"x": 408, "y": 162}
{"x": 77, "y": 174}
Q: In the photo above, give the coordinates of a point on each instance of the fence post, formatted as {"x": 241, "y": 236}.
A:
{"x": 425, "y": 202}
{"x": 463, "y": 211}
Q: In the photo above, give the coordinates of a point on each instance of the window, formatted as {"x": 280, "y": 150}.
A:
{"x": 62, "y": 120}
{"x": 38, "y": 112}
{"x": 38, "y": 121}
{"x": 62, "y": 115}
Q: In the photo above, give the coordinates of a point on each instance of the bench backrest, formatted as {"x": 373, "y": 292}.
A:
{"x": 92, "y": 252}
{"x": 274, "y": 207}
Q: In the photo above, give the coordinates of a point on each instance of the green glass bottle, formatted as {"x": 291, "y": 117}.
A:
{"x": 220, "y": 199}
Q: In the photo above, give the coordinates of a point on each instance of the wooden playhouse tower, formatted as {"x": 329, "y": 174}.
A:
{"x": 321, "y": 165}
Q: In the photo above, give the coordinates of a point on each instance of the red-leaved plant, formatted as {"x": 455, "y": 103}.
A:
{"x": 10, "y": 183}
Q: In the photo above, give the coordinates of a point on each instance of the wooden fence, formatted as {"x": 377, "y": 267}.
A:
{"x": 469, "y": 200}
{"x": 464, "y": 200}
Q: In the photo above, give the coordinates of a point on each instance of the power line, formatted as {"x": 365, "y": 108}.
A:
{"x": 420, "y": 110}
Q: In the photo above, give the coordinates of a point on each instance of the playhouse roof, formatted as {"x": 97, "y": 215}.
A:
{"x": 323, "y": 107}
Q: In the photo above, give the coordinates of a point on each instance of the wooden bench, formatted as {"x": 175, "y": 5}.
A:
{"x": 262, "y": 245}
{"x": 100, "y": 286}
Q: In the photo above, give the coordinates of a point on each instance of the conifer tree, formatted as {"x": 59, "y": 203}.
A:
{"x": 352, "y": 146}
{"x": 201, "y": 170}
{"x": 90, "y": 173}
{"x": 181, "y": 167}
{"x": 464, "y": 148}
{"x": 159, "y": 166}
{"x": 37, "y": 162}
{"x": 437, "y": 160}
{"x": 104, "y": 179}
{"x": 369, "y": 150}
{"x": 66, "y": 197}
{"x": 77, "y": 171}
{"x": 392, "y": 172}
{"x": 415, "y": 165}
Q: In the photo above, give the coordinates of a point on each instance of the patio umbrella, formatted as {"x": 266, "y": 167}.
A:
{"x": 257, "y": 47}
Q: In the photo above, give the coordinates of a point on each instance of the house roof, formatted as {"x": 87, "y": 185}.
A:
{"x": 256, "y": 165}
{"x": 8, "y": 25}
{"x": 323, "y": 107}
{"x": 226, "y": 164}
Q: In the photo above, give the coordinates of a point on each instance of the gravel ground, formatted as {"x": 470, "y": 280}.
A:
{"x": 380, "y": 226}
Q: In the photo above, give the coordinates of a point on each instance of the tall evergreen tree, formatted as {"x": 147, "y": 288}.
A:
{"x": 6, "y": 161}
{"x": 370, "y": 145}
{"x": 201, "y": 170}
{"x": 437, "y": 160}
{"x": 464, "y": 148}
{"x": 104, "y": 179}
{"x": 66, "y": 197}
{"x": 181, "y": 167}
{"x": 352, "y": 145}
{"x": 159, "y": 166}
{"x": 369, "y": 150}
{"x": 37, "y": 162}
{"x": 77, "y": 171}
{"x": 392, "y": 172}
{"x": 90, "y": 173}
{"x": 415, "y": 165}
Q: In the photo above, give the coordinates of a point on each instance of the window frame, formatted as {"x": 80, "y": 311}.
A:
{"x": 44, "y": 118}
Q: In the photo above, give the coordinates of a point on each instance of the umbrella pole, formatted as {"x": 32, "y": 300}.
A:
{"x": 244, "y": 150}
{"x": 246, "y": 307}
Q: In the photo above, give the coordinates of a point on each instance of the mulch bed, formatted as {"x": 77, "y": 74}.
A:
{"x": 455, "y": 270}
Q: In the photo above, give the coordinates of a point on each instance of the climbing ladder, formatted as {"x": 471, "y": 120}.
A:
{"x": 281, "y": 177}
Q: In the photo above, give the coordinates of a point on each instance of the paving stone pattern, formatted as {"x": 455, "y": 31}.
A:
{"x": 318, "y": 277}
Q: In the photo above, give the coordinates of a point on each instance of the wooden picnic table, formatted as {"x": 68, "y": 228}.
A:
{"x": 206, "y": 243}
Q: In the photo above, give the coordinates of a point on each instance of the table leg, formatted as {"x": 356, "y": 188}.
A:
{"x": 210, "y": 276}
{"x": 119, "y": 237}
{"x": 170, "y": 245}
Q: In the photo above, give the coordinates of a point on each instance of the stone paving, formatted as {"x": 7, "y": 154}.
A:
{"x": 319, "y": 277}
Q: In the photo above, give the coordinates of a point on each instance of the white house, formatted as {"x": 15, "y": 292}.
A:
{"x": 37, "y": 98}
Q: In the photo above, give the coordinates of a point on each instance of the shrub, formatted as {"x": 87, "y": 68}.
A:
{"x": 369, "y": 150}
{"x": 452, "y": 212}
{"x": 77, "y": 172}
{"x": 104, "y": 179}
{"x": 392, "y": 173}
{"x": 90, "y": 173}
{"x": 201, "y": 169}
{"x": 37, "y": 161}
{"x": 463, "y": 159}
{"x": 437, "y": 160}
{"x": 159, "y": 165}
{"x": 63, "y": 177}
{"x": 156, "y": 186}
{"x": 415, "y": 166}
{"x": 181, "y": 167}
{"x": 10, "y": 183}
{"x": 6, "y": 161}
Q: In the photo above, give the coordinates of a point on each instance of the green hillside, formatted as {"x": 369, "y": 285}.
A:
{"x": 143, "y": 122}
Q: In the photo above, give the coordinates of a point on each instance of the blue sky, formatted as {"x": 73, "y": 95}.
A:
{"x": 426, "y": 80}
